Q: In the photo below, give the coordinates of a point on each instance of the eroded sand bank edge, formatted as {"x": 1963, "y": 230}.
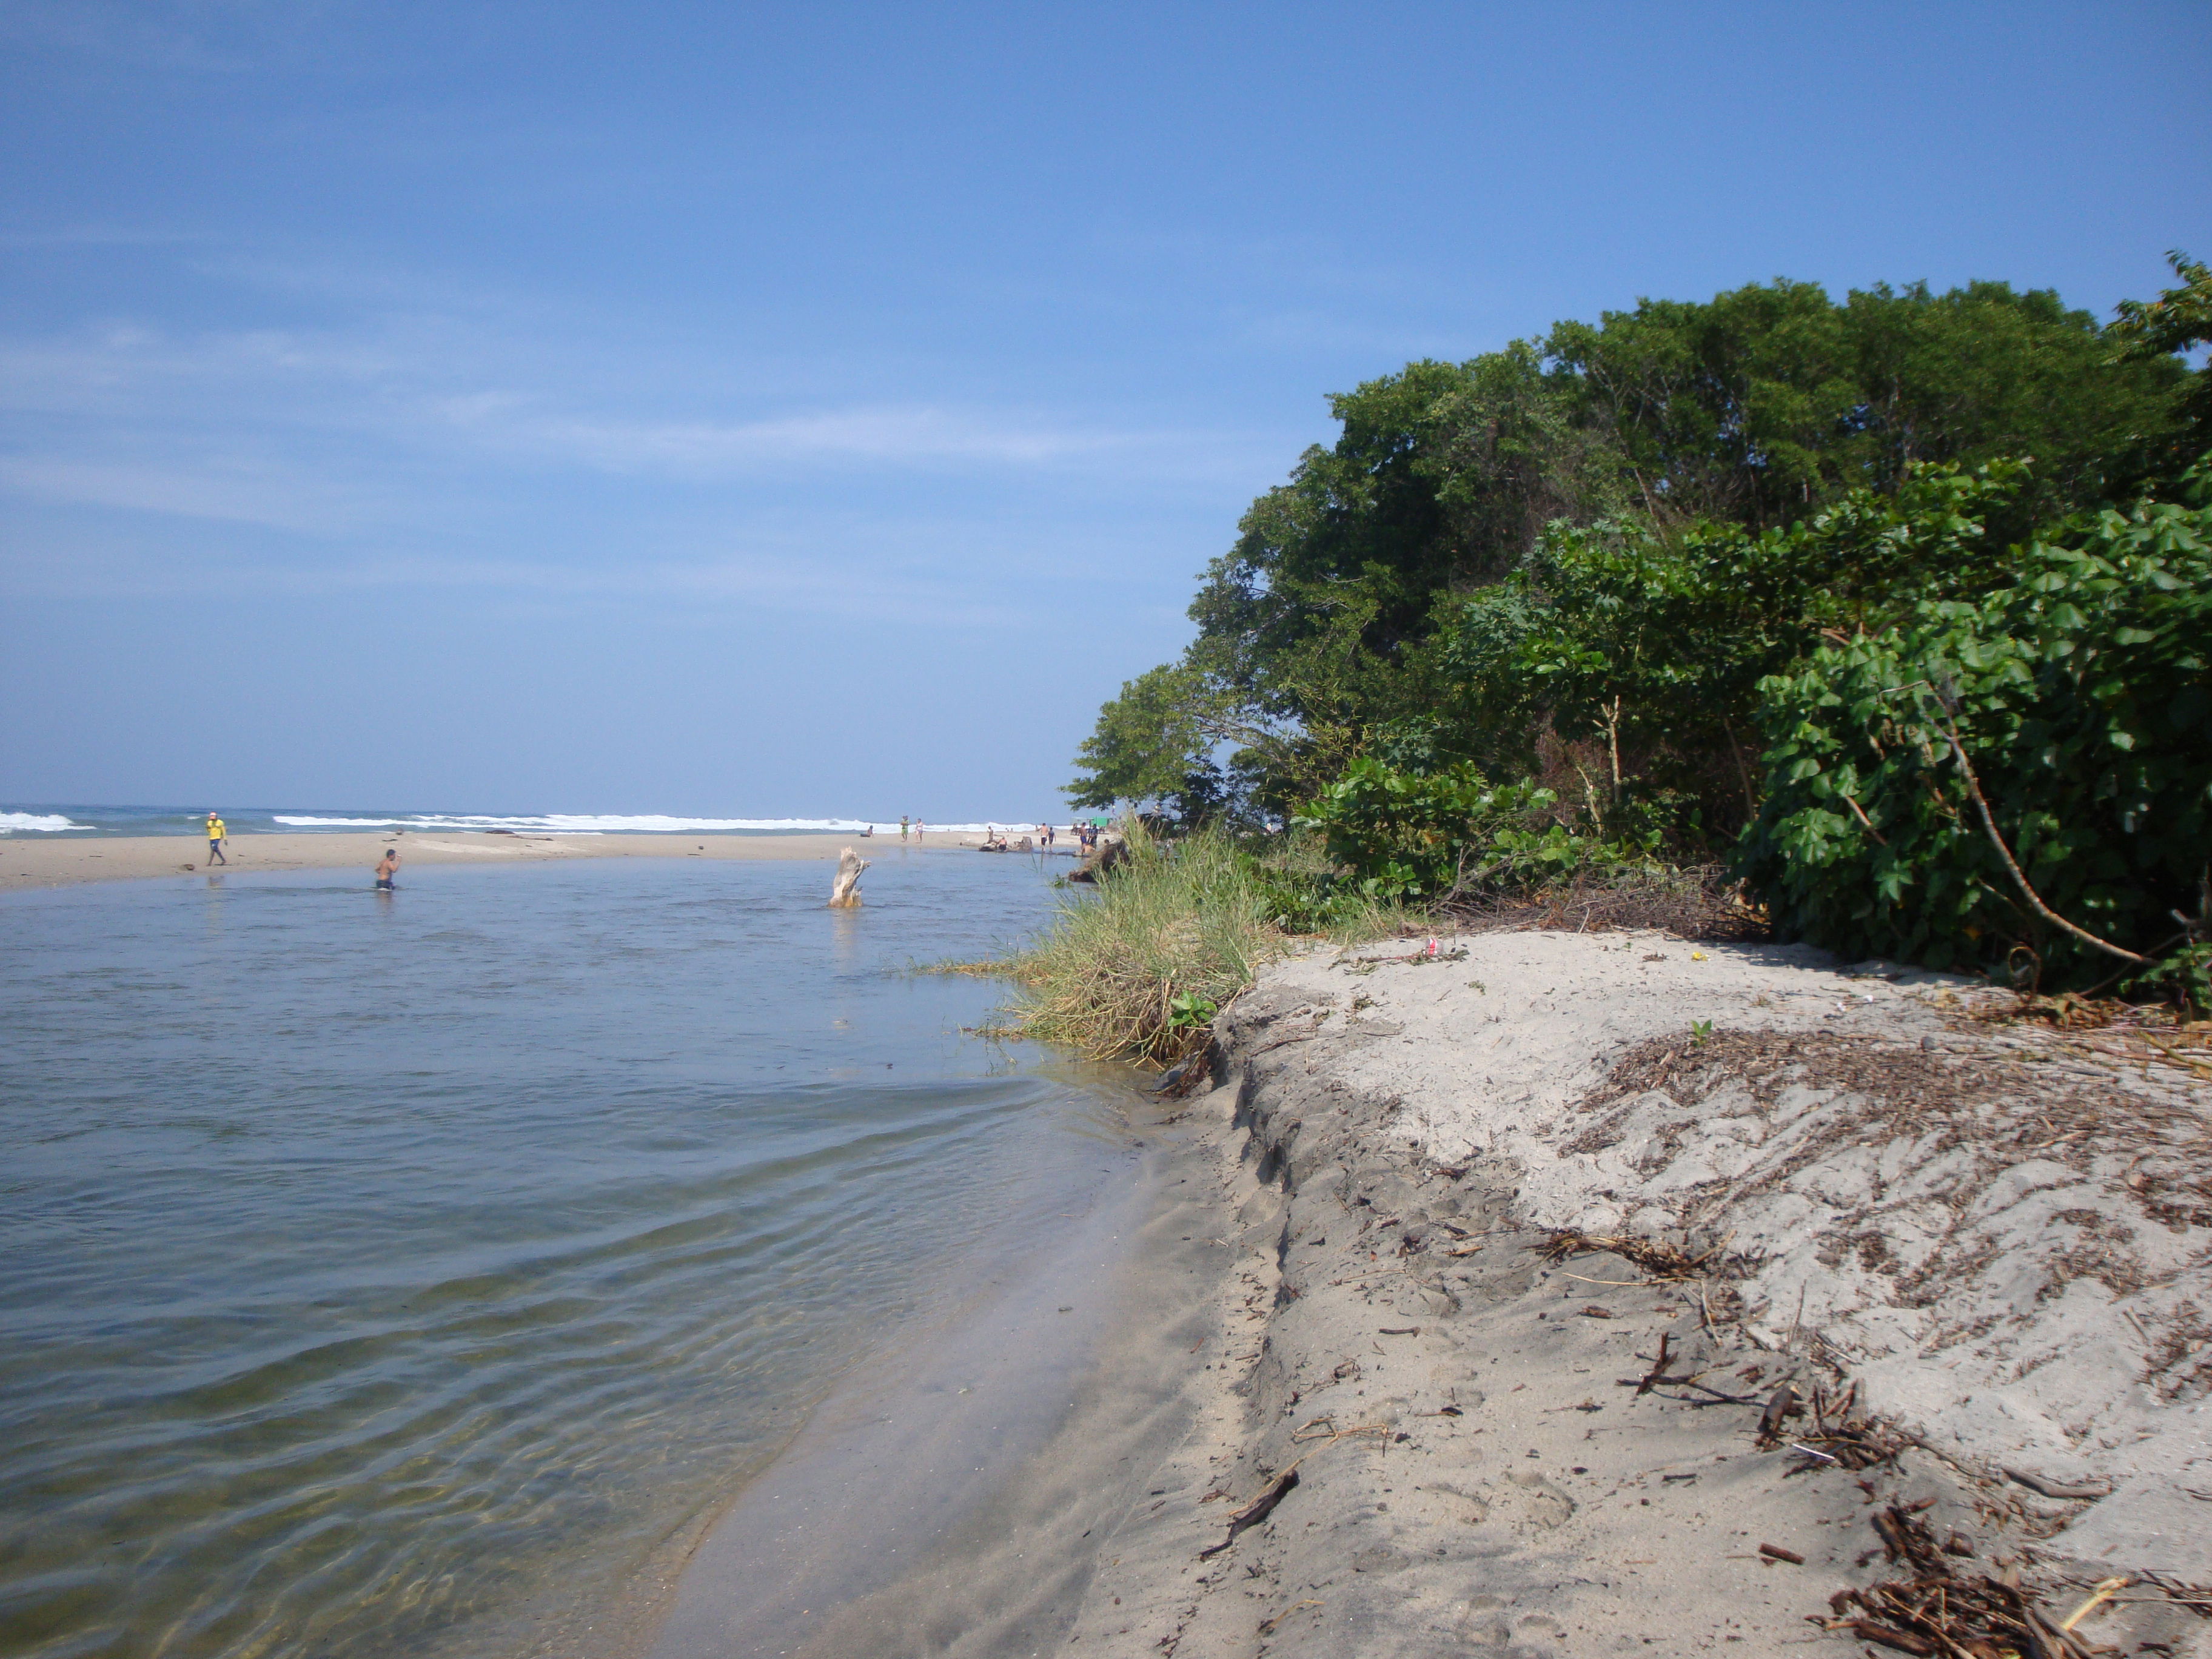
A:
{"x": 1994, "y": 1236}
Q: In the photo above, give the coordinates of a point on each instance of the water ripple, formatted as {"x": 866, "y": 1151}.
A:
{"x": 377, "y": 1272}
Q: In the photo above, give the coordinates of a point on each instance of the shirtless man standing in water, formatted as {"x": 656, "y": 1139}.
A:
{"x": 386, "y": 867}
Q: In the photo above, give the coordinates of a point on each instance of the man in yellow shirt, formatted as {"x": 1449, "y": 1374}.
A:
{"x": 217, "y": 834}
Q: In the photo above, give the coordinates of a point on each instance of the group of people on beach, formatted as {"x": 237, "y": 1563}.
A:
{"x": 218, "y": 832}
{"x": 1086, "y": 838}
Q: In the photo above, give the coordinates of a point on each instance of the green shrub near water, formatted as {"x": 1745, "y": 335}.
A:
{"x": 2080, "y": 695}
{"x": 1136, "y": 970}
{"x": 1404, "y": 834}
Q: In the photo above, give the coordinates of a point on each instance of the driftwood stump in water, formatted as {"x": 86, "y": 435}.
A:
{"x": 1112, "y": 850}
{"x": 845, "y": 890}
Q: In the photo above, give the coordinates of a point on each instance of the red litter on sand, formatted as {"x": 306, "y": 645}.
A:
{"x": 1432, "y": 947}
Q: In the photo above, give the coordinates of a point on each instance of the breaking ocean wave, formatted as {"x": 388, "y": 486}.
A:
{"x": 51, "y": 824}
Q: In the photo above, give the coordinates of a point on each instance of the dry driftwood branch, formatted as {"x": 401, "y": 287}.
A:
{"x": 1257, "y": 1511}
{"x": 2049, "y": 1488}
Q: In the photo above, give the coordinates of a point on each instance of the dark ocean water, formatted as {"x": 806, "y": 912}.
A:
{"x": 384, "y": 1274}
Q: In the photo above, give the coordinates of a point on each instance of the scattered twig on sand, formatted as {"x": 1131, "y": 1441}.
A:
{"x": 1324, "y": 1428}
{"x": 2049, "y": 1488}
{"x": 1269, "y": 1626}
{"x": 1255, "y": 1511}
{"x": 1780, "y": 1406}
{"x": 1839, "y": 1435}
{"x": 1666, "y": 1263}
{"x": 1775, "y": 1552}
{"x": 2198, "y": 1598}
{"x": 1932, "y": 1612}
{"x": 1658, "y": 1379}
{"x": 2104, "y": 1593}
{"x": 1657, "y": 1374}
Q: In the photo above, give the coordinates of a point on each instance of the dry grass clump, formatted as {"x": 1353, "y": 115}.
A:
{"x": 1138, "y": 970}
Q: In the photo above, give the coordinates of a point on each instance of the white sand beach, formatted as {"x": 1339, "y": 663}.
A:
{"x": 27, "y": 862}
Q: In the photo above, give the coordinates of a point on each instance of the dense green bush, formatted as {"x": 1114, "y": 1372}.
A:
{"x": 2075, "y": 699}
{"x": 1404, "y": 834}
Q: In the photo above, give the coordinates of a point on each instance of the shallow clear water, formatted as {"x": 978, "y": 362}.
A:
{"x": 376, "y": 1272}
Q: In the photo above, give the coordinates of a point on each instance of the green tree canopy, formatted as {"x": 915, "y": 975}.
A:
{"x": 1434, "y": 586}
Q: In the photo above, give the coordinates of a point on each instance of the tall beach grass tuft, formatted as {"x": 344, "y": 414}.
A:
{"x": 1138, "y": 969}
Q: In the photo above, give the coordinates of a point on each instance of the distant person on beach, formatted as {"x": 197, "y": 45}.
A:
{"x": 386, "y": 868}
{"x": 218, "y": 833}
{"x": 903, "y": 826}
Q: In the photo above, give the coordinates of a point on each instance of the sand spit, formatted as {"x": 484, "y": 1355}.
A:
{"x": 68, "y": 859}
{"x": 1433, "y": 1429}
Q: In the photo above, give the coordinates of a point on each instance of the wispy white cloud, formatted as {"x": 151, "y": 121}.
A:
{"x": 511, "y": 458}
{"x": 232, "y": 490}
{"x": 882, "y": 435}
{"x": 416, "y": 389}
{"x": 860, "y": 586}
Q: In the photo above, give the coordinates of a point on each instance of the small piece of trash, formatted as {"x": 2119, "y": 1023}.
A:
{"x": 1070, "y": 1308}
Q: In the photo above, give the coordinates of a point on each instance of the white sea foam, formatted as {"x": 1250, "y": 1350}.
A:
{"x": 48, "y": 823}
{"x": 564, "y": 823}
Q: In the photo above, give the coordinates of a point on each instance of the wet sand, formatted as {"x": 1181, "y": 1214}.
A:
{"x": 25, "y": 862}
{"x": 960, "y": 1496}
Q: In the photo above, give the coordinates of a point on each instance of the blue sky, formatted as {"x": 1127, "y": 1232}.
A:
{"x": 813, "y": 410}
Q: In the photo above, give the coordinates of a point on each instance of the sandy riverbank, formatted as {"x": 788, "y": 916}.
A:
{"x": 59, "y": 862}
{"x": 1997, "y": 1236}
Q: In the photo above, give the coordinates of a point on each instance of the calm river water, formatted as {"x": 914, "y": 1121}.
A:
{"x": 386, "y": 1274}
